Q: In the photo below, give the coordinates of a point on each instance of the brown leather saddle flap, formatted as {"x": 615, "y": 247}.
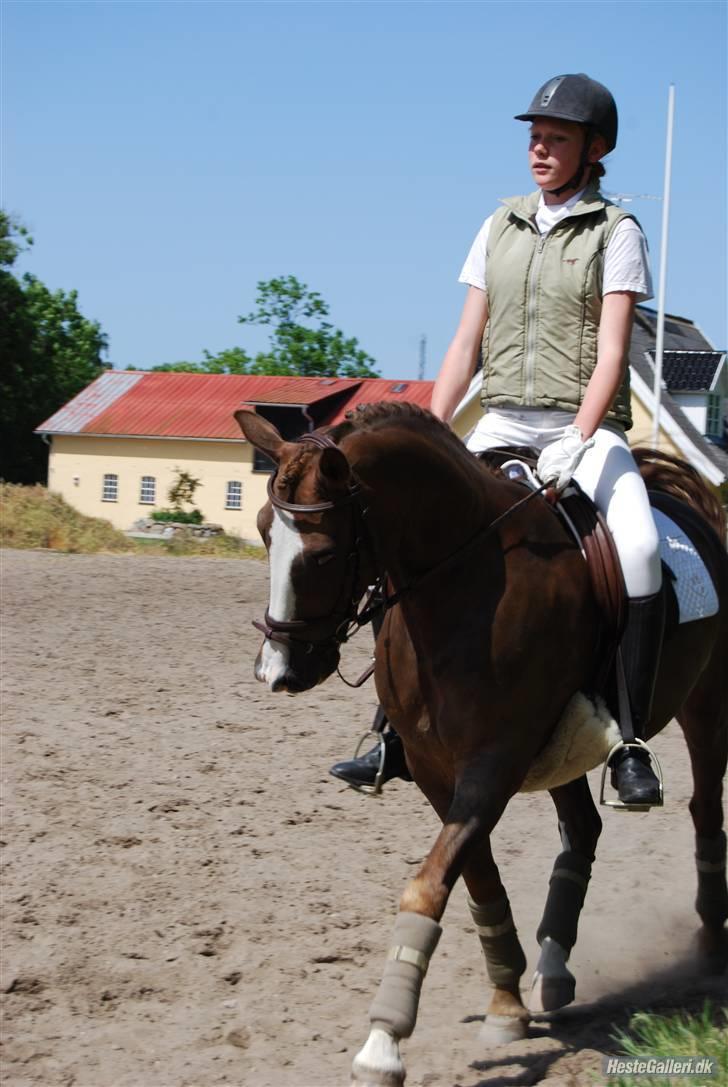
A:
{"x": 597, "y": 544}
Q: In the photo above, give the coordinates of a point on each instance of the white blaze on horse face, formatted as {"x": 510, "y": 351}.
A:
{"x": 285, "y": 544}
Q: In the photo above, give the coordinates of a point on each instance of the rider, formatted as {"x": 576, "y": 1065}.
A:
{"x": 552, "y": 280}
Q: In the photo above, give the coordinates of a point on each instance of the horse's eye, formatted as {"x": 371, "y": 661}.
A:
{"x": 322, "y": 559}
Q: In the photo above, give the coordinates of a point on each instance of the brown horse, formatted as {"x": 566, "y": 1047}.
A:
{"x": 491, "y": 629}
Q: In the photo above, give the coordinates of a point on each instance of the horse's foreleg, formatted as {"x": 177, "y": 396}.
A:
{"x": 579, "y": 826}
{"x": 506, "y": 1018}
{"x": 474, "y": 811}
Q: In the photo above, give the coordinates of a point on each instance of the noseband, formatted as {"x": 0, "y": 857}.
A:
{"x": 308, "y": 633}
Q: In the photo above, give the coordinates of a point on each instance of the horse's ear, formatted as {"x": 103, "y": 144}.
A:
{"x": 334, "y": 469}
{"x": 260, "y": 433}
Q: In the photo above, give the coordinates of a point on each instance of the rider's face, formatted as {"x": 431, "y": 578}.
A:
{"x": 554, "y": 151}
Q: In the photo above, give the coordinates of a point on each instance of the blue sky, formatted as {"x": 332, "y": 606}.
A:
{"x": 166, "y": 156}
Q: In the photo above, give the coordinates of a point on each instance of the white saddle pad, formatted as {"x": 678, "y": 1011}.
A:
{"x": 696, "y": 595}
{"x": 582, "y": 740}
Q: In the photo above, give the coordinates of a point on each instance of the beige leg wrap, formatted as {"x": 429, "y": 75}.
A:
{"x": 394, "y": 1008}
{"x": 504, "y": 957}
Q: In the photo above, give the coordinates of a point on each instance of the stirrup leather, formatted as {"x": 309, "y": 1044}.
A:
{"x": 619, "y": 804}
{"x": 376, "y": 788}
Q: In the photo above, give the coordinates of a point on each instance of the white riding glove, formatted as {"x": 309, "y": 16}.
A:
{"x": 560, "y": 459}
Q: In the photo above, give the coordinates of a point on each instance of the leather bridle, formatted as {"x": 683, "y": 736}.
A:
{"x": 346, "y": 617}
{"x": 332, "y": 629}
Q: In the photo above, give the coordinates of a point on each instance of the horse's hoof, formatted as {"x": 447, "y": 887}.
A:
{"x": 361, "y": 1077}
{"x": 553, "y": 984}
{"x": 378, "y": 1063}
{"x": 549, "y": 994}
{"x": 502, "y": 1029}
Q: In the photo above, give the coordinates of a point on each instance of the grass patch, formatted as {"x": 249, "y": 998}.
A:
{"x": 679, "y": 1035}
{"x": 34, "y": 517}
{"x": 184, "y": 544}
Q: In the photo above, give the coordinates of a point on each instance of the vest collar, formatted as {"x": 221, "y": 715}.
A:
{"x": 525, "y": 207}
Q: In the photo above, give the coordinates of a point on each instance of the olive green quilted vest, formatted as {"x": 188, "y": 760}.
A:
{"x": 545, "y": 303}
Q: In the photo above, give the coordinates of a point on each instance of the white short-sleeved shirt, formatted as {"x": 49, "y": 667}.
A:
{"x": 626, "y": 261}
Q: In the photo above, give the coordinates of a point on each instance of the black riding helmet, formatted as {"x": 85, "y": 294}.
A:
{"x": 581, "y": 99}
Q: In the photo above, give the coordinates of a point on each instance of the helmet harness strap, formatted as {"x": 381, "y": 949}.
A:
{"x": 575, "y": 181}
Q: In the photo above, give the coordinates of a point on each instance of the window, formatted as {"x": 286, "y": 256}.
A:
{"x": 713, "y": 421}
{"x": 148, "y": 491}
{"x": 111, "y": 488}
{"x": 234, "y": 495}
{"x": 261, "y": 463}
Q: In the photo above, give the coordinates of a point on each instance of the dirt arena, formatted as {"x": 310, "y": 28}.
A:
{"x": 191, "y": 900}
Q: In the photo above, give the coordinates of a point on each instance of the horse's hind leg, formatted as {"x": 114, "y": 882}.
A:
{"x": 704, "y": 720}
{"x": 553, "y": 983}
{"x": 477, "y": 803}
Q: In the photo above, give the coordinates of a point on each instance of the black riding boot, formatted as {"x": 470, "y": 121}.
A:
{"x": 632, "y": 774}
{"x": 363, "y": 770}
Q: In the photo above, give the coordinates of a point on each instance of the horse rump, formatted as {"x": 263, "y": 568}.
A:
{"x": 668, "y": 474}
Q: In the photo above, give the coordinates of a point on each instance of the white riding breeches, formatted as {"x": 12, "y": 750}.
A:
{"x": 607, "y": 473}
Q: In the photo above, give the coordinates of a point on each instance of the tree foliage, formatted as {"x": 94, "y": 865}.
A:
{"x": 302, "y": 342}
{"x": 50, "y": 352}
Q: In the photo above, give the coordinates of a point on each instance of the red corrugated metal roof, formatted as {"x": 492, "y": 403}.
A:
{"x": 172, "y": 405}
{"x": 90, "y": 402}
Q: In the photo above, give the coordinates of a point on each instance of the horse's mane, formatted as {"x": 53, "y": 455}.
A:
{"x": 386, "y": 412}
{"x": 663, "y": 472}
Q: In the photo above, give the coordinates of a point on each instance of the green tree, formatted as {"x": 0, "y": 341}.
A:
{"x": 233, "y": 360}
{"x": 50, "y": 352}
{"x": 302, "y": 342}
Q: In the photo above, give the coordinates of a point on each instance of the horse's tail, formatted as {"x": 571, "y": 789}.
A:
{"x": 663, "y": 472}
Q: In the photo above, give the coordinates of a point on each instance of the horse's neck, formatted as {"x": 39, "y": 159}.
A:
{"x": 426, "y": 499}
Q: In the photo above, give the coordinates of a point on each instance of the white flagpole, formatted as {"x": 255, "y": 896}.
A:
{"x": 659, "y": 345}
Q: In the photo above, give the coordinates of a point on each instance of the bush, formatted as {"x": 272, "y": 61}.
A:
{"x": 35, "y": 517}
{"x": 185, "y": 545}
{"x": 180, "y": 517}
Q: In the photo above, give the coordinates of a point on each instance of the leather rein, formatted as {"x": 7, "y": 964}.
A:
{"x": 345, "y": 619}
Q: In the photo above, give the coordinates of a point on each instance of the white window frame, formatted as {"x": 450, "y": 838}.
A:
{"x": 147, "y": 480}
{"x": 110, "y": 487}
{"x": 713, "y": 415}
{"x": 232, "y": 486}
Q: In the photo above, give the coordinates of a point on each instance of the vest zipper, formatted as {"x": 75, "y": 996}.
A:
{"x": 530, "y": 362}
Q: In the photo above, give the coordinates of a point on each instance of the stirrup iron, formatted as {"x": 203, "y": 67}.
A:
{"x": 376, "y": 788}
{"x": 654, "y": 761}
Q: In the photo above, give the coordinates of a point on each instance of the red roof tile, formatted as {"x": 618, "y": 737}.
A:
{"x": 180, "y": 405}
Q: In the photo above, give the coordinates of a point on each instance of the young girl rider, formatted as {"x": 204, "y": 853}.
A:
{"x": 552, "y": 281}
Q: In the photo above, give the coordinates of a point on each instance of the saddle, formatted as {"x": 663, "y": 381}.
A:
{"x": 586, "y": 524}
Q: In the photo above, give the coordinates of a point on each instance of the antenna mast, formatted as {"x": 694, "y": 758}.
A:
{"x": 423, "y": 358}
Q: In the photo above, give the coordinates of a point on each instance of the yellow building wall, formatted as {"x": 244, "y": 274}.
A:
{"x": 77, "y": 466}
{"x": 641, "y": 432}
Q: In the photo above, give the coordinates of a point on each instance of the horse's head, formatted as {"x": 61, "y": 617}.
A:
{"x": 310, "y": 527}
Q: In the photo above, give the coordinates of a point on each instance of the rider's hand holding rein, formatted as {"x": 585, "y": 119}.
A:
{"x": 559, "y": 461}
{"x": 561, "y": 458}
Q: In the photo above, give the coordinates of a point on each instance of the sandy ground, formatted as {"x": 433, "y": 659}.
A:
{"x": 190, "y": 899}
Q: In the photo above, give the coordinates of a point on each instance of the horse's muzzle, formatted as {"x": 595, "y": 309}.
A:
{"x": 290, "y": 682}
